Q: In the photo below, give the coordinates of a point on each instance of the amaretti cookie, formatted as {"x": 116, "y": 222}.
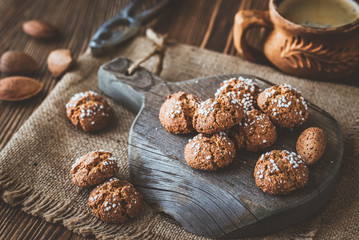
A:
{"x": 242, "y": 89}
{"x": 209, "y": 152}
{"x": 311, "y": 144}
{"x": 255, "y": 132}
{"x": 280, "y": 172}
{"x": 284, "y": 105}
{"x": 115, "y": 201}
{"x": 94, "y": 168}
{"x": 217, "y": 115}
{"x": 88, "y": 111}
{"x": 177, "y": 111}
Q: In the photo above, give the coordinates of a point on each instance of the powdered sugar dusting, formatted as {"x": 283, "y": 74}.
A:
{"x": 176, "y": 109}
{"x": 204, "y": 109}
{"x": 294, "y": 159}
{"x": 286, "y": 100}
{"x": 289, "y": 87}
{"x": 240, "y": 90}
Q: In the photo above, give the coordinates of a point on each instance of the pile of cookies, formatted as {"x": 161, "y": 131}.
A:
{"x": 240, "y": 116}
{"x": 113, "y": 200}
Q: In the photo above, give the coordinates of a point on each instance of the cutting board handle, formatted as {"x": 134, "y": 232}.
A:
{"x": 128, "y": 90}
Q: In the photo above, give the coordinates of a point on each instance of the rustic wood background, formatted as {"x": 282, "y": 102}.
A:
{"x": 203, "y": 23}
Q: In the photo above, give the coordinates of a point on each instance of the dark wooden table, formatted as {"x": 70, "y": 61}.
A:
{"x": 204, "y": 23}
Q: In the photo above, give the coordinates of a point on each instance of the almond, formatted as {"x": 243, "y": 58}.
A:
{"x": 14, "y": 62}
{"x": 39, "y": 29}
{"x": 311, "y": 144}
{"x": 59, "y": 61}
{"x": 18, "y": 88}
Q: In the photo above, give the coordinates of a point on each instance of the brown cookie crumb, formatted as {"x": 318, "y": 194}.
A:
{"x": 93, "y": 168}
{"x": 255, "y": 132}
{"x": 242, "y": 89}
{"x": 311, "y": 144}
{"x": 280, "y": 172}
{"x": 88, "y": 111}
{"x": 206, "y": 152}
{"x": 177, "y": 111}
{"x": 217, "y": 115}
{"x": 115, "y": 201}
{"x": 284, "y": 105}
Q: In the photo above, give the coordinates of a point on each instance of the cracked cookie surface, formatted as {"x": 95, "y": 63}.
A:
{"x": 209, "y": 152}
{"x": 115, "y": 201}
{"x": 280, "y": 172}
{"x": 242, "y": 89}
{"x": 284, "y": 105}
{"x": 88, "y": 111}
{"x": 93, "y": 168}
{"x": 217, "y": 115}
{"x": 255, "y": 132}
{"x": 177, "y": 111}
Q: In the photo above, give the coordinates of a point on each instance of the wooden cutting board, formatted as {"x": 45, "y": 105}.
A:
{"x": 225, "y": 203}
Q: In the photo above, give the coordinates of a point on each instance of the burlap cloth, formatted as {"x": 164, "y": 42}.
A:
{"x": 35, "y": 164}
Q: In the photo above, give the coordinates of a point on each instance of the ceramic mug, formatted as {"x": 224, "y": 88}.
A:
{"x": 321, "y": 53}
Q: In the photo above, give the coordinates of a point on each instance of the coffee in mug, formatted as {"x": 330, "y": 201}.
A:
{"x": 306, "y": 38}
{"x": 319, "y": 13}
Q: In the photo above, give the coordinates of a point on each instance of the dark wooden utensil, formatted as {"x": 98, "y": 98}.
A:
{"x": 225, "y": 203}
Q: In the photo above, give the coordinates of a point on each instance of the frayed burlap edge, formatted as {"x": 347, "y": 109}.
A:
{"x": 37, "y": 203}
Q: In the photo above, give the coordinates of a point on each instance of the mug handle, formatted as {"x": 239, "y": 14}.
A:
{"x": 244, "y": 21}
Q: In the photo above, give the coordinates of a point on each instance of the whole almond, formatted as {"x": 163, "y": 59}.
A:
{"x": 15, "y": 62}
{"x": 59, "y": 61}
{"x": 311, "y": 144}
{"x": 18, "y": 88}
{"x": 39, "y": 29}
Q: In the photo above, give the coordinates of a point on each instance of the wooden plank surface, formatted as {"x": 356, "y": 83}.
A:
{"x": 204, "y": 23}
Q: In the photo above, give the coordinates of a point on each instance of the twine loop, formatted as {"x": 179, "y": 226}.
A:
{"x": 159, "y": 42}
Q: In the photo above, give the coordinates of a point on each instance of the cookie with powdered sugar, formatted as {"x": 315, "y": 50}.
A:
{"x": 244, "y": 90}
{"x": 115, "y": 201}
{"x": 284, "y": 105}
{"x": 177, "y": 111}
{"x": 255, "y": 132}
{"x": 221, "y": 114}
{"x": 209, "y": 152}
{"x": 94, "y": 168}
{"x": 88, "y": 111}
{"x": 280, "y": 172}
